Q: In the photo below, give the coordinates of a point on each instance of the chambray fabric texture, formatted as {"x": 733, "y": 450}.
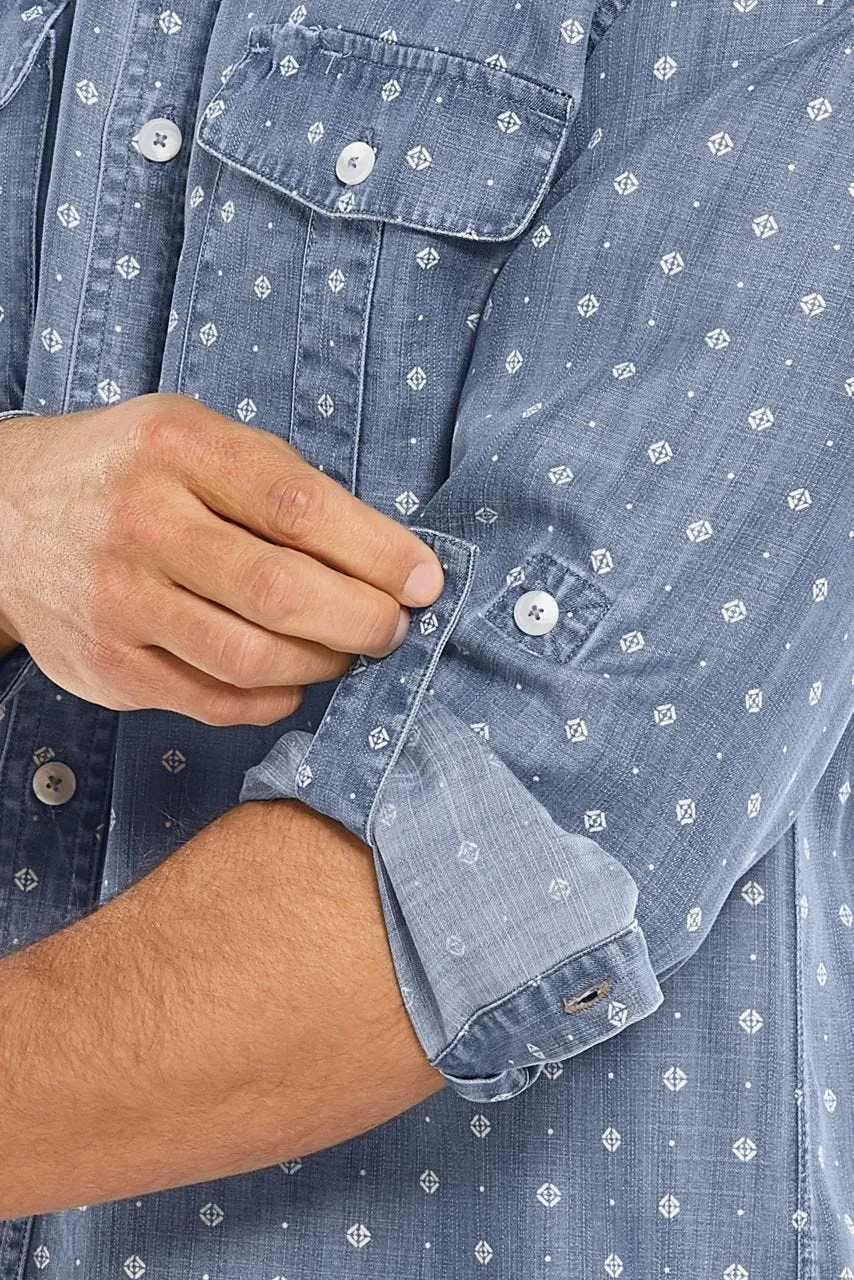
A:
{"x": 587, "y": 328}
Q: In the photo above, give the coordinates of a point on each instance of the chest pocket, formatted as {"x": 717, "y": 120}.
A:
{"x": 360, "y": 127}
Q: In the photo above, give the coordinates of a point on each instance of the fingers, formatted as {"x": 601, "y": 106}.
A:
{"x": 254, "y": 478}
{"x": 166, "y": 683}
{"x": 218, "y": 643}
{"x": 280, "y": 590}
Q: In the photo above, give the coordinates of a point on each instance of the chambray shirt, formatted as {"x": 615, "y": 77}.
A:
{"x": 585, "y": 325}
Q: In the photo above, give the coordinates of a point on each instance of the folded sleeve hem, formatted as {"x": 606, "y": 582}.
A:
{"x": 368, "y": 720}
{"x": 581, "y": 1001}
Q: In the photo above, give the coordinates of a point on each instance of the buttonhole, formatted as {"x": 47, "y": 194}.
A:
{"x": 585, "y": 999}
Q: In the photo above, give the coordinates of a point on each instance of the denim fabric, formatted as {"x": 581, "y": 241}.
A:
{"x": 586, "y": 328}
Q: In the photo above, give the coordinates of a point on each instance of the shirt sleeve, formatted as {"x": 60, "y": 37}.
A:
{"x": 654, "y": 448}
{"x": 17, "y": 665}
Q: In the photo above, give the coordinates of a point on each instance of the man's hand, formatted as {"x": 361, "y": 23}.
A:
{"x": 157, "y": 554}
{"x": 236, "y": 1007}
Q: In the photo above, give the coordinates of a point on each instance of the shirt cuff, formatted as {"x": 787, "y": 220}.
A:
{"x": 515, "y": 942}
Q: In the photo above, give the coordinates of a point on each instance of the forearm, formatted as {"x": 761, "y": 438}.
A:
{"x": 236, "y": 1007}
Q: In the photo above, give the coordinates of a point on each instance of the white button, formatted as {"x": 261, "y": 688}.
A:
{"x": 54, "y": 782}
{"x": 535, "y": 613}
{"x": 355, "y": 162}
{"x": 159, "y": 139}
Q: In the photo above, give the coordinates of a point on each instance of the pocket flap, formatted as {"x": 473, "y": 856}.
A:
{"x": 458, "y": 146}
{"x": 23, "y": 29}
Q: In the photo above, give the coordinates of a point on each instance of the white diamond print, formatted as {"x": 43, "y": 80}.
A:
{"x": 720, "y": 144}
{"x": 86, "y": 92}
{"x": 169, "y": 22}
{"x": 358, "y": 1235}
{"x": 572, "y": 31}
{"x": 419, "y": 158}
{"x": 509, "y": 122}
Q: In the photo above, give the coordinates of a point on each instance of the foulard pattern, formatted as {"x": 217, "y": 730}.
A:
{"x": 568, "y": 289}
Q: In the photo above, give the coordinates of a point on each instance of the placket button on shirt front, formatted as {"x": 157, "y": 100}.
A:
{"x": 159, "y": 140}
{"x": 54, "y": 783}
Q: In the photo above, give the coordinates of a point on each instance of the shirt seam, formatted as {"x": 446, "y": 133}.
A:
{"x": 442, "y": 224}
{"x": 26, "y": 1229}
{"x": 94, "y": 226}
{"x": 471, "y": 66}
{"x": 194, "y": 287}
{"x": 298, "y": 324}
{"x": 38, "y": 179}
{"x": 572, "y": 958}
{"x": 426, "y": 674}
{"x": 376, "y": 250}
{"x": 805, "y": 1252}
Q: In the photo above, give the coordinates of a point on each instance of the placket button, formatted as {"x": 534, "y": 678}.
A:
{"x": 355, "y": 163}
{"x": 54, "y": 783}
{"x": 535, "y": 613}
{"x": 159, "y": 140}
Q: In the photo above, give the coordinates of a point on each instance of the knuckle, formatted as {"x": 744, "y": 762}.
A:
{"x": 107, "y": 661}
{"x": 129, "y": 519}
{"x": 270, "y": 589}
{"x": 163, "y": 424}
{"x": 294, "y": 503}
{"x": 220, "y": 707}
{"x": 244, "y": 657}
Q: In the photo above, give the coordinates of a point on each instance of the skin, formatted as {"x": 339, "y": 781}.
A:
{"x": 157, "y": 554}
{"x": 235, "y": 1007}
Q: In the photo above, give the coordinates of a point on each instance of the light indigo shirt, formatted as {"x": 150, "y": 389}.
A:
{"x": 585, "y": 325}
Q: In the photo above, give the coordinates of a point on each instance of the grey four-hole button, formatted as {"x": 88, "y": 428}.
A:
{"x": 54, "y": 783}
{"x": 536, "y": 612}
{"x": 159, "y": 140}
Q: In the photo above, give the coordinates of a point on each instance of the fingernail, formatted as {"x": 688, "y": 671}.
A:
{"x": 400, "y": 634}
{"x": 424, "y": 583}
